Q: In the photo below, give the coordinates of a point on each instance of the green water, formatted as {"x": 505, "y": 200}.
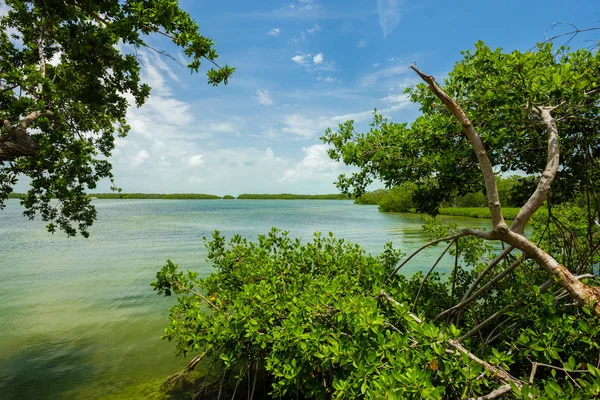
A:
{"x": 78, "y": 318}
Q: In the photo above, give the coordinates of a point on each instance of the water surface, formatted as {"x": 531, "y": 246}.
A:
{"x": 78, "y": 318}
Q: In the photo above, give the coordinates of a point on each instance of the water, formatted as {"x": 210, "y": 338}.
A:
{"x": 78, "y": 318}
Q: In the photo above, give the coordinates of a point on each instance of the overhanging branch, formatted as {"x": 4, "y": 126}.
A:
{"x": 478, "y": 147}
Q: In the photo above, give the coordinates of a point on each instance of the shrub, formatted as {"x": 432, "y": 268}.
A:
{"x": 313, "y": 320}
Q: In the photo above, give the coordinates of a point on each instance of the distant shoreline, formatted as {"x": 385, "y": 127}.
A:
{"x": 202, "y": 196}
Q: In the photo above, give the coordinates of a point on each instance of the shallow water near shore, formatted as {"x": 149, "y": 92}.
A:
{"x": 78, "y": 318}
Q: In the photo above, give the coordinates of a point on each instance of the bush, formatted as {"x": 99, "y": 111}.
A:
{"x": 399, "y": 199}
{"x": 228, "y": 197}
{"x": 311, "y": 319}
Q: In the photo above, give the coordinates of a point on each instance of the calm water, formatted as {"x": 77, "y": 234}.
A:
{"x": 78, "y": 318}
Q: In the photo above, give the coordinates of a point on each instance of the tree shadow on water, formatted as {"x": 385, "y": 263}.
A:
{"x": 46, "y": 370}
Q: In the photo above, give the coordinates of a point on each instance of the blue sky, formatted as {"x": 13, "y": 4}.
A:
{"x": 301, "y": 66}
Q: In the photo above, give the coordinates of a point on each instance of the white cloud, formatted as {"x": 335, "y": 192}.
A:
{"x": 362, "y": 43}
{"x": 389, "y": 15}
{"x": 315, "y": 28}
{"x": 274, "y": 32}
{"x": 263, "y": 97}
{"x": 375, "y": 65}
{"x": 328, "y": 79}
{"x": 301, "y": 59}
{"x": 306, "y": 5}
{"x": 196, "y": 160}
{"x": 139, "y": 158}
{"x": 303, "y": 127}
{"x": 222, "y": 127}
{"x": 382, "y": 74}
{"x": 316, "y": 162}
{"x": 318, "y": 59}
{"x": 397, "y": 101}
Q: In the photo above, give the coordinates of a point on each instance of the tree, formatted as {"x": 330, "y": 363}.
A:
{"x": 495, "y": 108}
{"x": 63, "y": 86}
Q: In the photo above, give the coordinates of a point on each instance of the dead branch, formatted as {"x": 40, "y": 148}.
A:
{"x": 397, "y": 304}
{"x": 190, "y": 367}
{"x": 496, "y": 372}
{"x": 483, "y": 289}
{"x": 477, "y": 144}
{"x": 483, "y": 273}
{"x": 429, "y": 273}
{"x": 465, "y": 232}
{"x": 495, "y": 393}
{"x": 541, "y": 192}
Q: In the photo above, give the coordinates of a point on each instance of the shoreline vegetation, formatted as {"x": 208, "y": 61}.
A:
{"x": 471, "y": 212}
{"x": 202, "y": 196}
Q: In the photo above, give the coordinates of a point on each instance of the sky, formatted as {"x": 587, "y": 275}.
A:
{"x": 303, "y": 66}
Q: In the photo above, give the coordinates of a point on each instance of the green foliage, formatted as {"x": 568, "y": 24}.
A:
{"x": 478, "y": 212}
{"x": 311, "y": 318}
{"x": 228, "y": 197}
{"x": 398, "y": 199}
{"x": 290, "y": 196}
{"x": 60, "y": 119}
{"x": 498, "y": 90}
{"x": 373, "y": 197}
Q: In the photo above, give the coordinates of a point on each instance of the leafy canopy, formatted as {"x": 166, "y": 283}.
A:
{"x": 59, "y": 119}
{"x": 311, "y": 320}
{"x": 498, "y": 91}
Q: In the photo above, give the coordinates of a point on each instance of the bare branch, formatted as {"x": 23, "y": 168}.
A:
{"x": 495, "y": 393}
{"x": 584, "y": 294}
{"x": 483, "y": 289}
{"x": 464, "y": 232}
{"x": 41, "y": 61}
{"x": 477, "y": 144}
{"x": 483, "y": 273}
{"x": 429, "y": 273}
{"x": 541, "y": 192}
{"x": 496, "y": 372}
{"x": 395, "y": 303}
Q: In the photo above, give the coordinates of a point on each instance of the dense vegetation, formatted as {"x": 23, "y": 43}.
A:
{"x": 400, "y": 198}
{"x": 290, "y": 196}
{"x": 517, "y": 317}
{"x": 60, "y": 118}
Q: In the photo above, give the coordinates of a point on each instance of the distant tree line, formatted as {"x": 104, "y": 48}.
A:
{"x": 512, "y": 191}
{"x": 201, "y": 196}
{"x": 291, "y": 196}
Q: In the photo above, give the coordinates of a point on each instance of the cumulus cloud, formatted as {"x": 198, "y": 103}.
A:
{"x": 318, "y": 59}
{"x": 397, "y": 101}
{"x": 301, "y": 59}
{"x": 196, "y": 160}
{"x": 316, "y": 162}
{"x": 362, "y": 43}
{"x": 139, "y": 158}
{"x": 263, "y": 97}
{"x": 389, "y": 15}
{"x": 274, "y": 32}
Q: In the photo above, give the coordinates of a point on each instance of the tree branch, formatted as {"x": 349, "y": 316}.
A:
{"x": 477, "y": 144}
{"x": 541, "y": 192}
{"x": 495, "y": 393}
{"x": 483, "y": 289}
{"x": 499, "y": 373}
{"x": 584, "y": 294}
{"x": 464, "y": 232}
{"x": 483, "y": 273}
